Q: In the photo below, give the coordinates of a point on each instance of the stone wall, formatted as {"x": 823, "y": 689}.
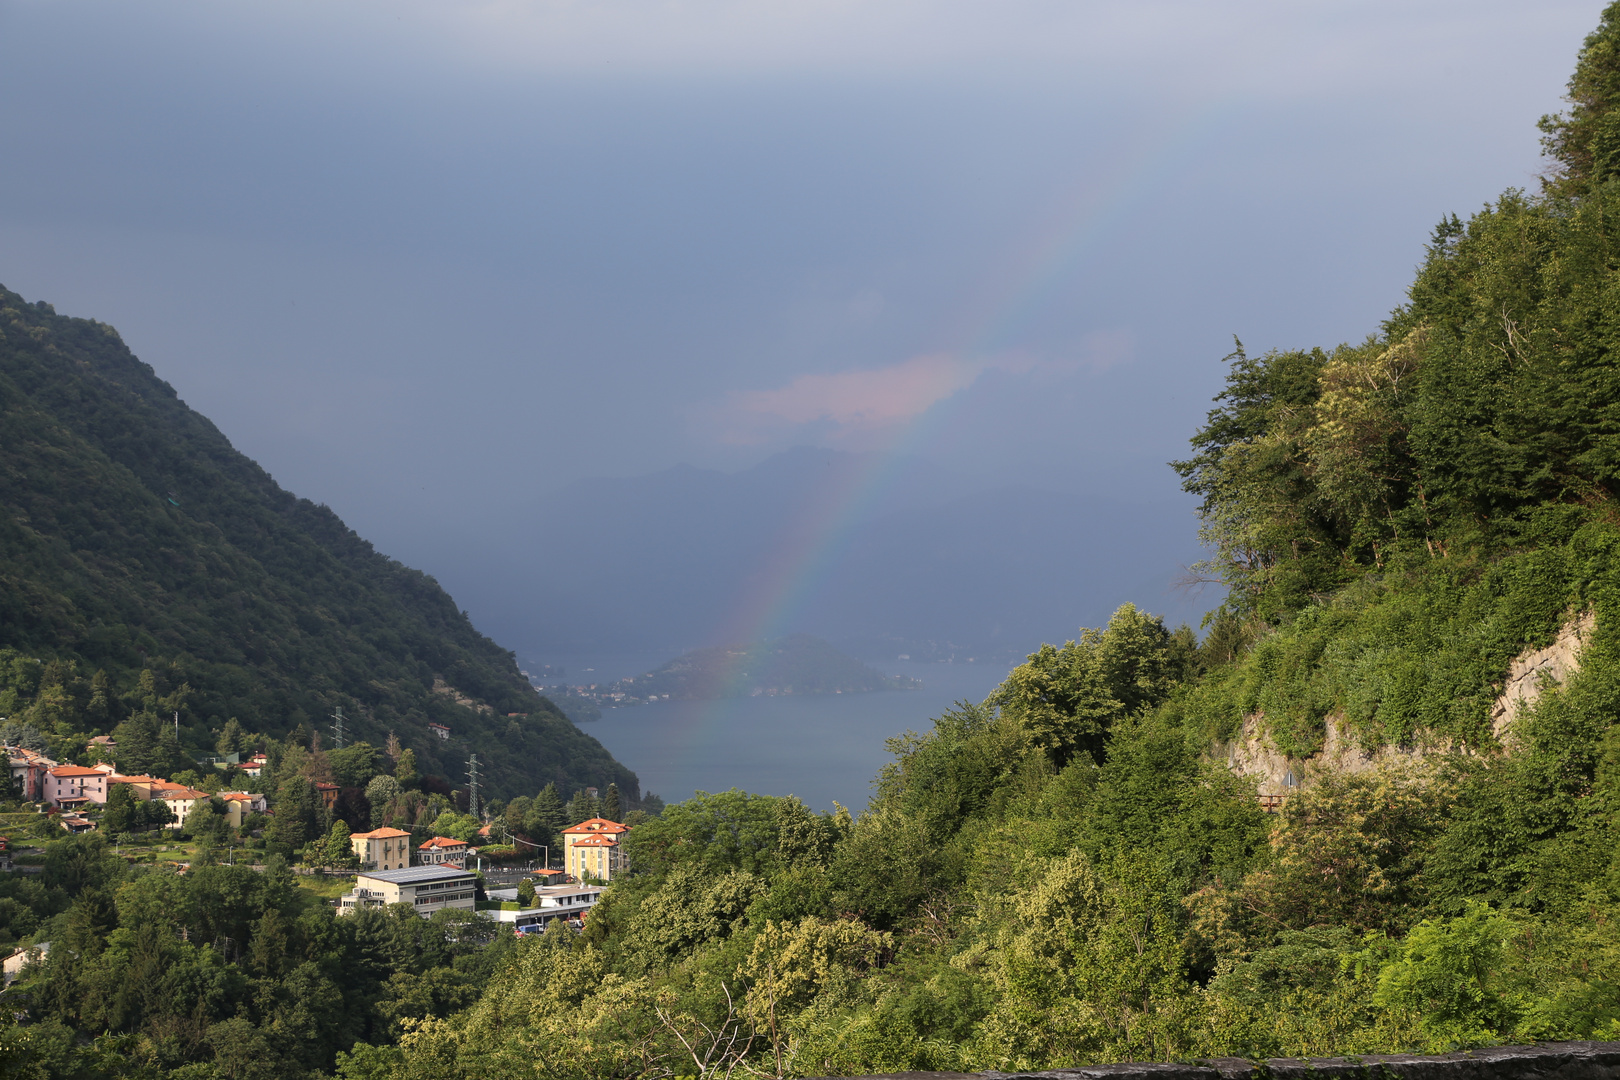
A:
{"x": 1552, "y": 1061}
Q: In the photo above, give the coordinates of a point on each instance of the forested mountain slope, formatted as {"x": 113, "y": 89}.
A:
{"x": 134, "y": 538}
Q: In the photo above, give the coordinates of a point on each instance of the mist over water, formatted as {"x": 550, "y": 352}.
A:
{"x": 820, "y": 748}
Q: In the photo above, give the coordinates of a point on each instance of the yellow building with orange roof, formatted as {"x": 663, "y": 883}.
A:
{"x": 593, "y": 849}
{"x": 383, "y": 849}
{"x": 239, "y": 804}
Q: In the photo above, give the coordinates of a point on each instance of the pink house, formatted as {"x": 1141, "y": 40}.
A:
{"x": 70, "y": 786}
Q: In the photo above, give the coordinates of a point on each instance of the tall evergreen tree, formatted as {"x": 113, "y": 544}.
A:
{"x": 582, "y": 807}
{"x": 544, "y": 819}
{"x": 405, "y": 770}
{"x": 119, "y": 815}
{"x": 139, "y": 743}
{"x": 99, "y": 710}
{"x": 231, "y": 737}
{"x": 295, "y": 820}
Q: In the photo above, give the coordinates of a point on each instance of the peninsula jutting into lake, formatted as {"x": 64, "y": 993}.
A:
{"x": 798, "y": 664}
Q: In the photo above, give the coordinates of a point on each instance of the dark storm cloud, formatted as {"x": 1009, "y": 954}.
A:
{"x": 423, "y": 260}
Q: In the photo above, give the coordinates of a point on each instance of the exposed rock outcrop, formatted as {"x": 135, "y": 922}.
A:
{"x": 1532, "y": 671}
{"x": 1529, "y": 675}
{"x": 1254, "y": 754}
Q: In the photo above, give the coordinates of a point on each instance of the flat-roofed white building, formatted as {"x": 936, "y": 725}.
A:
{"x": 427, "y": 888}
{"x": 571, "y": 902}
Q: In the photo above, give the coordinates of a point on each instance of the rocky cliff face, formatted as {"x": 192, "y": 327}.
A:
{"x": 1531, "y": 674}
{"x": 1533, "y": 671}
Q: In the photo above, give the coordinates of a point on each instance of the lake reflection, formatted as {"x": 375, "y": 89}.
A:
{"x": 818, "y": 748}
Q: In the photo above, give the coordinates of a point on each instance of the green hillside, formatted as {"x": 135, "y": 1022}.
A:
{"x": 134, "y": 539}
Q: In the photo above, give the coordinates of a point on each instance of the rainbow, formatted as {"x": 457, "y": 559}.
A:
{"x": 810, "y": 546}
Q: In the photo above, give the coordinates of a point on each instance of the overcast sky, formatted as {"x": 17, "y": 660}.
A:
{"x": 423, "y": 258}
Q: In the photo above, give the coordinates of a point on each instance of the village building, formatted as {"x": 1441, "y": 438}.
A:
{"x": 442, "y": 851}
{"x": 426, "y": 888}
{"x": 15, "y": 964}
{"x": 28, "y": 769}
{"x": 181, "y": 801}
{"x": 239, "y": 804}
{"x": 73, "y": 786}
{"x": 142, "y": 788}
{"x": 593, "y": 849}
{"x": 383, "y": 849}
{"x": 571, "y": 902}
{"x": 75, "y": 822}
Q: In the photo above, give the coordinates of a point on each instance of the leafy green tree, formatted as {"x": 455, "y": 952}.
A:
{"x": 1090, "y": 966}
{"x": 515, "y": 814}
{"x": 1447, "y": 976}
{"x": 119, "y": 815}
{"x": 459, "y": 826}
{"x": 1585, "y": 141}
{"x": 802, "y": 835}
{"x": 353, "y": 766}
{"x": 140, "y": 748}
{"x": 544, "y": 819}
{"x": 381, "y": 794}
{"x": 25, "y": 735}
{"x": 405, "y": 770}
{"x": 295, "y": 820}
{"x": 612, "y": 807}
{"x": 1068, "y": 699}
{"x": 526, "y": 892}
{"x": 152, "y": 813}
{"x": 335, "y": 849}
{"x": 719, "y": 832}
{"x": 231, "y": 737}
{"x": 99, "y": 710}
{"x": 582, "y": 807}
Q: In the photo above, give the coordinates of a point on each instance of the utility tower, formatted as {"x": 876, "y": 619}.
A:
{"x": 337, "y": 729}
{"x": 472, "y": 786}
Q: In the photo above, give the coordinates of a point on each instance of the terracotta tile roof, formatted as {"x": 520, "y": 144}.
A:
{"x": 75, "y": 770}
{"x": 597, "y": 825}
{"x": 177, "y": 791}
{"x": 442, "y": 842}
{"x": 379, "y": 834}
{"x": 239, "y": 796}
{"x": 596, "y": 841}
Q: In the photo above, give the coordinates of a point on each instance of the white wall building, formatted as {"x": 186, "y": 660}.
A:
{"x": 426, "y": 888}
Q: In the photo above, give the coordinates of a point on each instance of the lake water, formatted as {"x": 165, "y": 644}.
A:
{"x": 821, "y": 748}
